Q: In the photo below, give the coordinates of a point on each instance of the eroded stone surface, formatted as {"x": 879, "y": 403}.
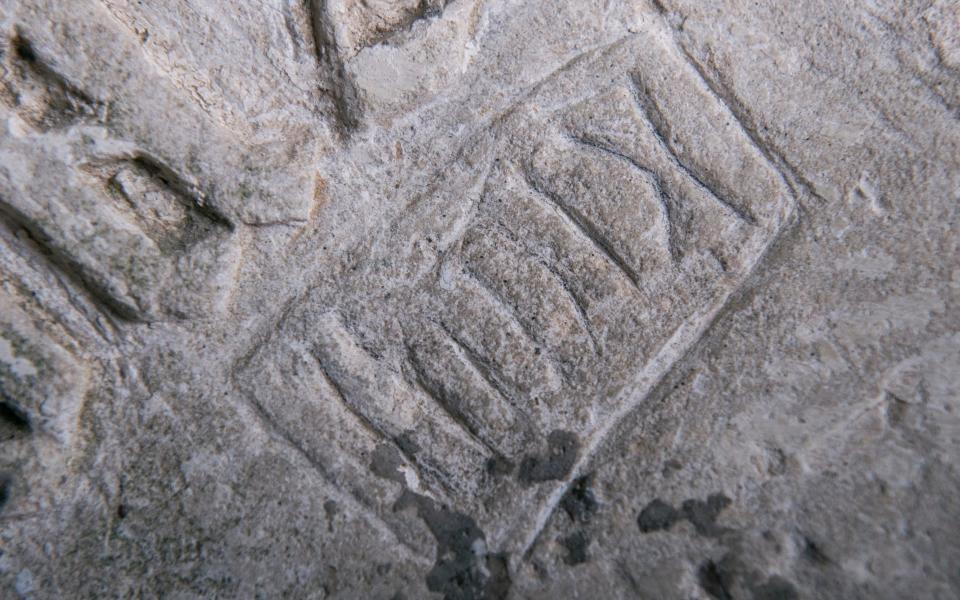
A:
{"x": 479, "y": 299}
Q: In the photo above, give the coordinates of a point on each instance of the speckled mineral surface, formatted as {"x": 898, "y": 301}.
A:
{"x": 480, "y": 299}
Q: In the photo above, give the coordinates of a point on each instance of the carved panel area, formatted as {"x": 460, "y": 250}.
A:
{"x": 598, "y": 236}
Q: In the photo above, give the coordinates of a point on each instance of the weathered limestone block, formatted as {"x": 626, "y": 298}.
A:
{"x": 479, "y": 299}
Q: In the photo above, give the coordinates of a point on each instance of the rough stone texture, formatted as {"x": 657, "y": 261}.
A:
{"x": 479, "y": 299}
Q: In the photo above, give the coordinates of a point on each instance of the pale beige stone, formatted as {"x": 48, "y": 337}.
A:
{"x": 479, "y": 299}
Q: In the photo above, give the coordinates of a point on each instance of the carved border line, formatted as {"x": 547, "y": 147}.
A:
{"x": 692, "y": 330}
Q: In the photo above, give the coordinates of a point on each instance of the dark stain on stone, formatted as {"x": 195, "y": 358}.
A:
{"x": 5, "y": 482}
{"x": 499, "y": 466}
{"x": 331, "y": 509}
{"x": 386, "y": 462}
{"x": 813, "y": 553}
{"x": 579, "y": 502}
{"x": 703, "y": 515}
{"x": 563, "y": 447}
{"x": 13, "y": 416}
{"x": 24, "y": 50}
{"x": 775, "y": 588}
{"x": 464, "y": 570}
{"x": 14, "y": 423}
{"x": 715, "y": 581}
{"x": 720, "y": 579}
{"x": 330, "y": 506}
{"x": 778, "y": 462}
{"x": 498, "y": 576}
{"x": 576, "y": 545}
{"x": 671, "y": 466}
{"x": 659, "y": 516}
{"x": 407, "y": 444}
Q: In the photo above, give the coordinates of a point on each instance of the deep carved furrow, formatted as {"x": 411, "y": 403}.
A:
{"x": 369, "y": 424}
{"x": 426, "y": 471}
{"x": 386, "y": 430}
{"x": 446, "y": 453}
{"x": 335, "y": 82}
{"x": 488, "y": 372}
{"x": 166, "y": 207}
{"x": 651, "y": 176}
{"x": 483, "y": 283}
{"x": 497, "y": 260}
{"x": 576, "y": 303}
{"x": 587, "y": 231}
{"x": 351, "y": 499}
{"x": 746, "y": 126}
{"x": 452, "y": 405}
{"x": 63, "y": 262}
{"x": 648, "y": 109}
{"x": 40, "y": 94}
{"x": 571, "y": 295}
{"x": 425, "y": 9}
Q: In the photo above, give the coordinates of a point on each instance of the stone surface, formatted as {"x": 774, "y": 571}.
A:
{"x": 479, "y": 299}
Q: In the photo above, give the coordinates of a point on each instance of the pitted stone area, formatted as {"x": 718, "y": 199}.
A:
{"x": 479, "y": 299}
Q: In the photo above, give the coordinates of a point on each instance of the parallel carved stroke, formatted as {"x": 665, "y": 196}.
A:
{"x": 684, "y": 339}
{"x": 587, "y": 231}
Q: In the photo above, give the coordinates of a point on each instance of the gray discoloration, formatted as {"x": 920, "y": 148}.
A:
{"x": 702, "y": 514}
{"x": 5, "y": 484}
{"x": 576, "y": 545}
{"x": 477, "y": 298}
{"x": 13, "y": 420}
{"x": 813, "y": 553}
{"x": 714, "y": 581}
{"x": 465, "y": 569}
{"x": 386, "y": 462}
{"x": 580, "y": 502}
{"x": 556, "y": 463}
{"x": 775, "y": 588}
{"x": 657, "y": 516}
